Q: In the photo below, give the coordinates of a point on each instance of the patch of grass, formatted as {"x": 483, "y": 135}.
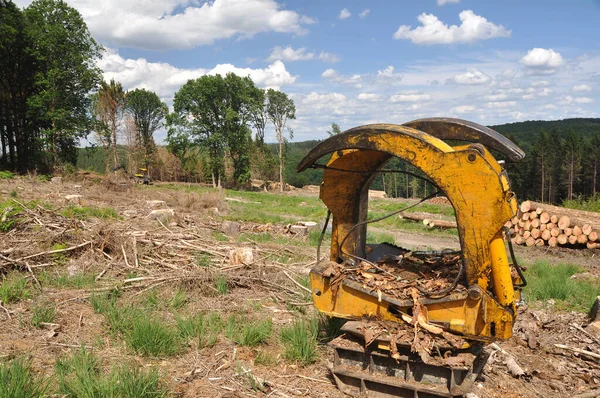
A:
{"x": 120, "y": 318}
{"x": 81, "y": 375}
{"x": 43, "y": 313}
{"x": 380, "y": 237}
{"x": 265, "y": 358}
{"x": 14, "y": 288}
{"x": 85, "y": 212}
{"x": 220, "y": 236}
{"x": 77, "y": 281}
{"x": 151, "y": 298}
{"x": 329, "y": 328}
{"x": 590, "y": 204}
{"x": 179, "y": 299}
{"x": 300, "y": 341}
{"x": 203, "y": 260}
{"x": 14, "y": 194}
{"x": 6, "y": 175}
{"x": 546, "y": 281}
{"x": 202, "y": 326}
{"x": 221, "y": 284}
{"x": 248, "y": 333}
{"x": 59, "y": 258}
{"x": 17, "y": 381}
{"x": 152, "y": 337}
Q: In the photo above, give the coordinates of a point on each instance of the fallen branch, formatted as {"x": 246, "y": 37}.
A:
{"x": 296, "y": 282}
{"x": 68, "y": 249}
{"x": 578, "y": 351}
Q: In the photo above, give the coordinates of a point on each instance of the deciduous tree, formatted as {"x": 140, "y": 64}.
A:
{"x": 280, "y": 109}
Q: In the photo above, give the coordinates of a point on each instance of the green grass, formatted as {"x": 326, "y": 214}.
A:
{"x": 81, "y": 375}
{"x": 153, "y": 337}
{"x": 85, "y": 212}
{"x": 59, "y": 258}
{"x": 14, "y": 288}
{"x": 300, "y": 341}
{"x": 546, "y": 281}
{"x": 221, "y": 284}
{"x": 590, "y": 204}
{"x": 380, "y": 237}
{"x": 203, "y": 260}
{"x": 17, "y": 381}
{"x": 6, "y": 175}
{"x": 205, "y": 327}
{"x": 179, "y": 299}
{"x": 78, "y": 281}
{"x": 248, "y": 333}
{"x": 329, "y": 328}
{"x": 43, "y": 313}
{"x": 265, "y": 358}
{"x": 119, "y": 317}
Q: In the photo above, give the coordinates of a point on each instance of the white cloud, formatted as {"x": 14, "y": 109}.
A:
{"x": 324, "y": 103}
{"x": 388, "y": 75}
{"x": 462, "y": 109}
{"x": 581, "y": 88}
{"x": 289, "y": 54}
{"x": 540, "y": 83}
{"x": 410, "y": 96}
{"x": 583, "y": 100}
{"x": 364, "y": 14}
{"x": 368, "y": 97}
{"x": 471, "y": 76}
{"x": 545, "y": 60}
{"x": 166, "y": 79}
{"x": 545, "y": 92}
{"x": 167, "y": 24}
{"x": 344, "y": 14}
{"x": 433, "y": 31}
{"x": 329, "y": 74}
{"x": 444, "y": 2}
{"x": 334, "y": 76}
{"x": 501, "y": 104}
{"x": 495, "y": 97}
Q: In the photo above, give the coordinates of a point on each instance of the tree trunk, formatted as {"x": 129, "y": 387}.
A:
{"x": 280, "y": 137}
{"x": 543, "y": 178}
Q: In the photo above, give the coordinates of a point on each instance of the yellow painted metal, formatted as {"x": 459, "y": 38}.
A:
{"x": 479, "y": 191}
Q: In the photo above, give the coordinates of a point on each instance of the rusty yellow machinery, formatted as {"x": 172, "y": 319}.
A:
{"x": 479, "y": 307}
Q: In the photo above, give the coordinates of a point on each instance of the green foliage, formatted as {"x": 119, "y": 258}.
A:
{"x": 85, "y": 212}
{"x": 546, "y": 281}
{"x": 179, "y": 299}
{"x": 329, "y": 327}
{"x": 152, "y": 337}
{"x": 205, "y": 327}
{"x": 221, "y": 284}
{"x": 81, "y": 375}
{"x": 148, "y": 113}
{"x": 17, "y": 381}
{"x": 300, "y": 341}
{"x": 14, "y": 288}
{"x": 43, "y": 313}
{"x": 590, "y": 204}
{"x": 6, "y": 175}
{"x": 248, "y": 333}
{"x": 59, "y": 258}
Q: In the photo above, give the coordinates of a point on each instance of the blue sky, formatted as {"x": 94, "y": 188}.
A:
{"x": 357, "y": 62}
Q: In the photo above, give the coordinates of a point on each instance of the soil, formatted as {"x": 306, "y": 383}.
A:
{"x": 168, "y": 252}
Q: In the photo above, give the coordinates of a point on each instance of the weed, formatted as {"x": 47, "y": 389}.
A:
{"x": 78, "y": 281}
{"x": 152, "y": 298}
{"x": 43, "y": 313}
{"x": 265, "y": 358}
{"x": 59, "y": 258}
{"x": 248, "y": 333}
{"x": 178, "y": 300}
{"x": 203, "y": 260}
{"x": 6, "y": 175}
{"x": 152, "y": 337}
{"x": 220, "y": 236}
{"x": 221, "y": 284}
{"x": 80, "y": 375}
{"x": 120, "y": 318}
{"x": 300, "y": 341}
{"x": 44, "y": 178}
{"x": 14, "y": 288}
{"x": 590, "y": 204}
{"x": 17, "y": 381}
{"x": 14, "y": 194}
{"x": 85, "y": 212}
{"x": 547, "y": 282}
{"x": 204, "y": 327}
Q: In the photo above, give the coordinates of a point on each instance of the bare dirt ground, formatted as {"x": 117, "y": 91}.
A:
{"x": 187, "y": 251}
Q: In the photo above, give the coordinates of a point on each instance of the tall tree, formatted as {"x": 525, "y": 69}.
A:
{"x": 335, "y": 130}
{"x": 65, "y": 54}
{"x": 148, "y": 113}
{"x": 280, "y": 108}
{"x": 594, "y": 158}
{"x": 572, "y": 149}
{"x": 542, "y": 149}
{"x": 259, "y": 116}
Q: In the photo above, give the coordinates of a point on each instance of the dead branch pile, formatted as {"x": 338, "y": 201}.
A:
{"x": 538, "y": 224}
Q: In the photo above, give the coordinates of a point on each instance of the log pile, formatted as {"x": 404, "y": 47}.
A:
{"x": 538, "y": 224}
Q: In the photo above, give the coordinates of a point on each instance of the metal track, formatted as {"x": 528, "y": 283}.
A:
{"x": 374, "y": 373}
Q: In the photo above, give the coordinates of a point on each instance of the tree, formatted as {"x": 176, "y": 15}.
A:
{"x": 259, "y": 116}
{"x": 542, "y": 149}
{"x": 572, "y": 150}
{"x": 148, "y": 113}
{"x": 65, "y": 55}
{"x": 280, "y": 108}
{"x": 594, "y": 159}
{"x": 108, "y": 106}
{"x": 335, "y": 130}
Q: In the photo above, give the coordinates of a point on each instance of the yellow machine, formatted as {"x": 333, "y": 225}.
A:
{"x": 479, "y": 307}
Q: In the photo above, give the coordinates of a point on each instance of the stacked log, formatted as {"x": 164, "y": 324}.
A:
{"x": 538, "y": 224}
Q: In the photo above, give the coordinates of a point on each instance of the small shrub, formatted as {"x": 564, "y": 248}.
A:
{"x": 17, "y": 381}
{"x": 152, "y": 337}
{"x": 81, "y": 375}
{"x": 221, "y": 284}
{"x": 14, "y": 288}
{"x": 43, "y": 313}
{"x": 300, "y": 341}
{"x": 248, "y": 333}
{"x": 6, "y": 175}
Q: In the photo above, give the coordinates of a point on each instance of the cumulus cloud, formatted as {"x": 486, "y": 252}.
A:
{"x": 471, "y": 76}
{"x": 462, "y": 109}
{"x": 501, "y": 104}
{"x": 410, "y": 96}
{"x": 333, "y": 76}
{"x": 433, "y": 31}
{"x": 364, "y": 13}
{"x": 368, "y": 97}
{"x": 167, "y": 24}
{"x": 166, "y": 79}
{"x": 540, "y": 83}
{"x": 444, "y": 2}
{"x": 344, "y": 14}
{"x": 544, "y": 60}
{"x": 329, "y": 74}
{"x": 319, "y": 103}
{"x": 389, "y": 76}
{"x": 289, "y": 54}
{"x": 581, "y": 88}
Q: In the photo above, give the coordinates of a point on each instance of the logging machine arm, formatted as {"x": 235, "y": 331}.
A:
{"x": 476, "y": 185}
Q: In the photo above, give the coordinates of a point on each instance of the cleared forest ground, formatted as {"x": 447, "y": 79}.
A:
{"x": 170, "y": 305}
